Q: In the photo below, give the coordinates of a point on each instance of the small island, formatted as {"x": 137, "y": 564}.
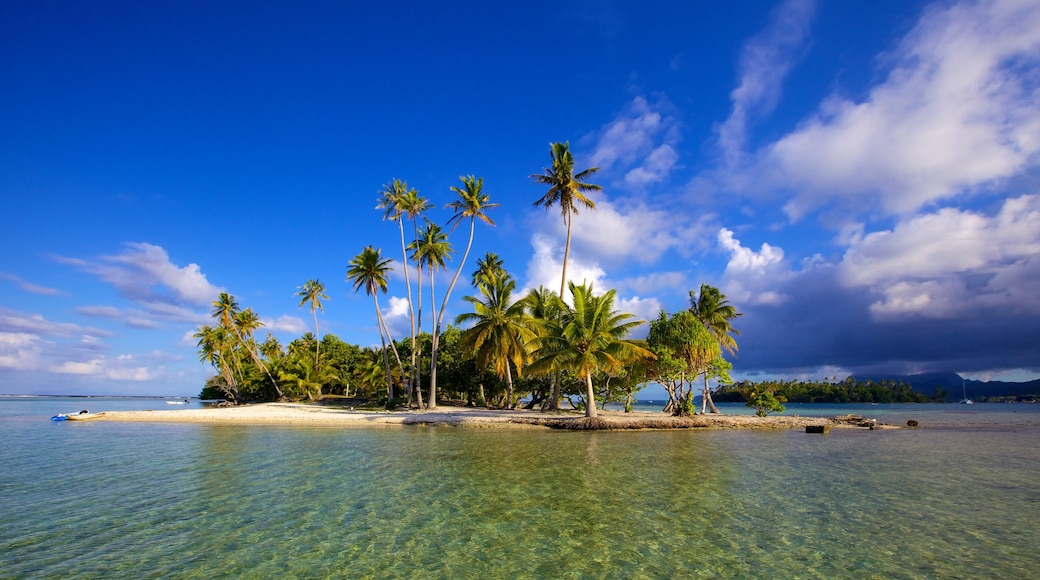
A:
{"x": 306, "y": 414}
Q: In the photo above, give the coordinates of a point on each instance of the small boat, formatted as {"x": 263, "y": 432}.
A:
{"x": 83, "y": 415}
{"x": 965, "y": 400}
{"x": 184, "y": 402}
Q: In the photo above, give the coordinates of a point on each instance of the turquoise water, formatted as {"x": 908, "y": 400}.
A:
{"x": 957, "y": 498}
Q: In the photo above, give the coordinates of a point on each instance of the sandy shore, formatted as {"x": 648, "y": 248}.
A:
{"x": 304, "y": 414}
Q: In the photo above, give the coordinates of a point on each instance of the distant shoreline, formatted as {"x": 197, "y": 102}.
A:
{"x": 315, "y": 415}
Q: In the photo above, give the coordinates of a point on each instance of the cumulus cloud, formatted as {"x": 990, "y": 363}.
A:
{"x": 753, "y": 276}
{"x": 957, "y": 111}
{"x": 543, "y": 269}
{"x": 764, "y": 63}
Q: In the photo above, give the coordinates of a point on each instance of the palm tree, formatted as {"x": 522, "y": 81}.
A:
{"x": 566, "y": 189}
{"x": 212, "y": 345}
{"x": 313, "y": 291}
{"x": 501, "y": 332}
{"x": 544, "y": 308}
{"x": 715, "y": 312}
{"x": 591, "y": 338}
{"x": 397, "y": 201}
{"x": 226, "y": 311}
{"x": 430, "y": 250}
{"x": 370, "y": 271}
{"x": 489, "y": 270}
{"x": 471, "y": 204}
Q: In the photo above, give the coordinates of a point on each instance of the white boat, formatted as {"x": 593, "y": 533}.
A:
{"x": 965, "y": 400}
{"x": 184, "y": 402}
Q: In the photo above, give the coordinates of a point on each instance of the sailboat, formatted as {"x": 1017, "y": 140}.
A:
{"x": 965, "y": 400}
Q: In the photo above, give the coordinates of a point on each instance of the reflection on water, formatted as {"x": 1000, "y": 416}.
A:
{"x": 104, "y": 499}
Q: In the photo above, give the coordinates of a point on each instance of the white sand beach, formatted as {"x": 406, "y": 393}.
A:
{"x": 317, "y": 415}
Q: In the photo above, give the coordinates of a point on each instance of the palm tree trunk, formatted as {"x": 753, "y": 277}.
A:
{"x": 590, "y": 405}
{"x": 393, "y": 348}
{"x": 566, "y": 254}
{"x": 317, "y": 340}
{"x": 386, "y": 358}
{"x": 706, "y": 398}
{"x": 432, "y": 399}
{"x": 509, "y": 384}
{"x": 411, "y": 310}
{"x": 440, "y": 316}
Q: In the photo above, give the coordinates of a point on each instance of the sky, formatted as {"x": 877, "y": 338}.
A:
{"x": 861, "y": 179}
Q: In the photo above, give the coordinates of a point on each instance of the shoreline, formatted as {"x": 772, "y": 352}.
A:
{"x": 316, "y": 415}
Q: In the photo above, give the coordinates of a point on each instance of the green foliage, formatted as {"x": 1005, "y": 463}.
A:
{"x": 846, "y": 391}
{"x": 764, "y": 400}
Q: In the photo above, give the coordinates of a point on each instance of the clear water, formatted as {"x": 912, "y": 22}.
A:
{"x": 957, "y": 498}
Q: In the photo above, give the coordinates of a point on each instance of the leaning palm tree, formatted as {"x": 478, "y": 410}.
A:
{"x": 715, "y": 313}
{"x": 501, "y": 331}
{"x": 471, "y": 204}
{"x": 430, "y": 250}
{"x": 226, "y": 311}
{"x": 566, "y": 190}
{"x": 212, "y": 345}
{"x": 313, "y": 291}
{"x": 370, "y": 271}
{"x": 591, "y": 338}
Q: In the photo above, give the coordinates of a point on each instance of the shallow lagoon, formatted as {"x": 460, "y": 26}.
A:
{"x": 959, "y": 497}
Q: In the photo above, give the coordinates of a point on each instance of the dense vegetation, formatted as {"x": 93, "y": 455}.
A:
{"x": 848, "y": 390}
{"x": 536, "y": 346}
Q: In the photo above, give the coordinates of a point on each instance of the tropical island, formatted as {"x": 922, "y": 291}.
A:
{"x": 538, "y": 348}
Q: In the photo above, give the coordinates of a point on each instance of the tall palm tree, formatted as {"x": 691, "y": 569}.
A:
{"x": 715, "y": 313}
{"x": 566, "y": 189}
{"x": 226, "y": 311}
{"x": 500, "y": 333}
{"x": 430, "y": 250}
{"x": 591, "y": 338}
{"x": 471, "y": 204}
{"x": 368, "y": 270}
{"x": 313, "y": 292}
{"x": 397, "y": 200}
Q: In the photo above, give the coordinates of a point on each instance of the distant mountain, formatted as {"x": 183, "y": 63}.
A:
{"x": 951, "y": 383}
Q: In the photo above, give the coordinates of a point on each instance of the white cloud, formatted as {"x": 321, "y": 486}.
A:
{"x": 29, "y": 286}
{"x": 285, "y": 323}
{"x": 655, "y": 168}
{"x": 543, "y": 269}
{"x": 958, "y": 110}
{"x": 640, "y": 142}
{"x": 144, "y": 273}
{"x": 13, "y": 321}
{"x": 19, "y": 350}
{"x": 645, "y": 309}
{"x": 752, "y": 277}
{"x": 764, "y": 63}
{"x": 951, "y": 261}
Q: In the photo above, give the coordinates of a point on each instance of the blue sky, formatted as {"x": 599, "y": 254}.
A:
{"x": 860, "y": 178}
